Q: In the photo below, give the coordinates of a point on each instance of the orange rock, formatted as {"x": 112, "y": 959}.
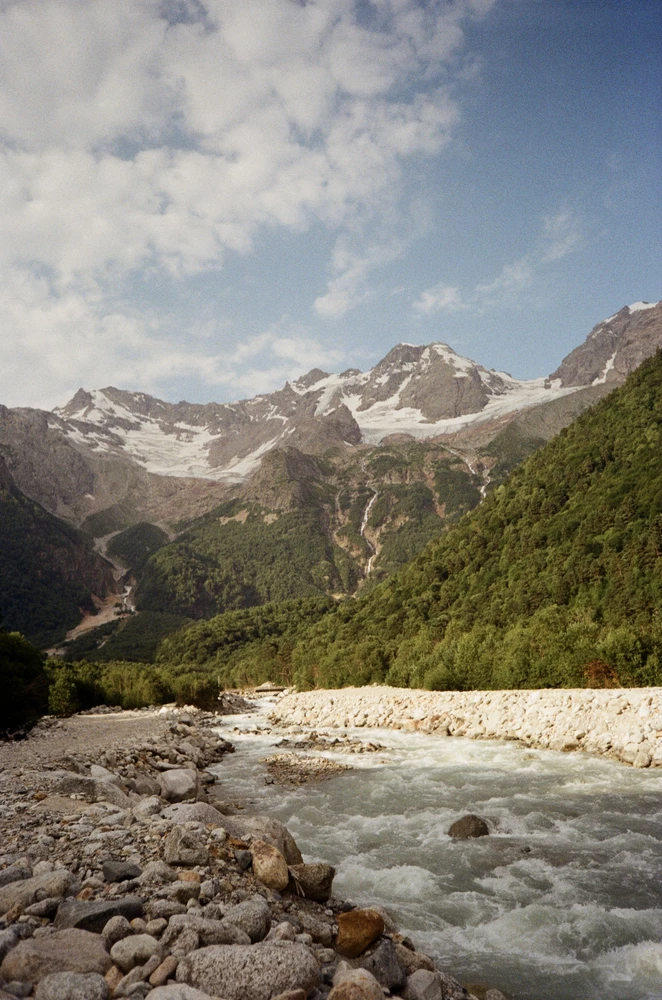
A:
{"x": 357, "y": 930}
{"x": 189, "y": 877}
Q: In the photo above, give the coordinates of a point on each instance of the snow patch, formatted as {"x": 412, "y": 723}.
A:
{"x": 641, "y": 306}
{"x": 601, "y": 379}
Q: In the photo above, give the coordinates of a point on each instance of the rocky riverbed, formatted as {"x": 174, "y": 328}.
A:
{"x": 125, "y": 872}
{"x": 624, "y": 724}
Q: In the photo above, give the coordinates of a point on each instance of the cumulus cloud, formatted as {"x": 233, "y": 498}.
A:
{"x": 167, "y": 134}
{"x": 439, "y": 298}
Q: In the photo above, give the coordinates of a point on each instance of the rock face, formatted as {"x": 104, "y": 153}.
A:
{"x": 357, "y": 930}
{"x": 71, "y": 950}
{"x": 468, "y": 826}
{"x": 255, "y": 973}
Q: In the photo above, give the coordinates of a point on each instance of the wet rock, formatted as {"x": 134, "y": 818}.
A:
{"x": 134, "y": 950}
{"x": 314, "y": 881}
{"x": 93, "y": 916}
{"x": 468, "y": 826}
{"x": 256, "y": 972}
{"x": 27, "y": 891}
{"x": 253, "y": 917}
{"x": 179, "y": 784}
{"x": 72, "y": 986}
{"x": 269, "y": 865}
{"x": 183, "y": 848}
{"x": 120, "y": 871}
{"x": 70, "y": 950}
{"x": 357, "y": 930}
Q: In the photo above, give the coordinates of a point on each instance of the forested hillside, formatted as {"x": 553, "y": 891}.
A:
{"x": 556, "y": 579}
{"x": 48, "y": 570}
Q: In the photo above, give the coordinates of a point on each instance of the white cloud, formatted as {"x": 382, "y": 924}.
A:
{"x": 440, "y": 297}
{"x": 562, "y": 234}
{"x": 510, "y": 281}
{"x": 164, "y": 135}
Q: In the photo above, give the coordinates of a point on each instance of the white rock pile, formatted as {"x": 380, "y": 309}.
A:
{"x": 624, "y": 724}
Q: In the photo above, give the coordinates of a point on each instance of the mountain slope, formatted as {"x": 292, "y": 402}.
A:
{"x": 48, "y": 571}
{"x": 555, "y": 580}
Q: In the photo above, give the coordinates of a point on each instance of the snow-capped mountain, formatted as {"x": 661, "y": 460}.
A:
{"x": 419, "y": 391}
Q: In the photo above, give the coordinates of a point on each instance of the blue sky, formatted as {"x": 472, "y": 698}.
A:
{"x": 204, "y": 198}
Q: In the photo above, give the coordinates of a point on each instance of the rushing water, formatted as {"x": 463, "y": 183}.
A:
{"x": 563, "y": 901}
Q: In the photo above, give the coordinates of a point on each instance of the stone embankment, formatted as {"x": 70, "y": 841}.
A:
{"x": 624, "y": 724}
{"x": 125, "y": 873}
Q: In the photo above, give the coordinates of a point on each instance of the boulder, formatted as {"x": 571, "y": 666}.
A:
{"x": 269, "y": 865}
{"x": 145, "y": 785}
{"x": 319, "y": 930}
{"x": 179, "y": 784}
{"x": 183, "y": 848}
{"x": 253, "y": 917}
{"x": 10, "y": 938}
{"x": 134, "y": 950}
{"x": 357, "y": 930}
{"x": 256, "y": 972}
{"x": 103, "y": 774}
{"x": 71, "y": 950}
{"x": 208, "y": 931}
{"x": 264, "y": 828}
{"x": 14, "y": 873}
{"x": 49, "y": 885}
{"x": 150, "y": 806}
{"x": 93, "y": 916}
{"x": 468, "y": 826}
{"x": 385, "y": 966}
{"x": 313, "y": 880}
{"x": 120, "y": 871}
{"x": 116, "y": 929}
{"x": 72, "y": 986}
{"x": 412, "y": 960}
{"x": 91, "y": 789}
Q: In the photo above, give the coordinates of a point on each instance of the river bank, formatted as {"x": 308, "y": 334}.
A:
{"x": 624, "y": 724}
{"x": 126, "y": 872}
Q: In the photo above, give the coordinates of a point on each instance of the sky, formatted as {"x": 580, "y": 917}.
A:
{"x": 202, "y": 199}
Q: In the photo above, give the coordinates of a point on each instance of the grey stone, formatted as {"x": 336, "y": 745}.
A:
{"x": 147, "y": 807}
{"x": 183, "y": 848}
{"x": 384, "y": 965}
{"x": 29, "y": 890}
{"x": 103, "y": 774}
{"x": 10, "y": 938}
{"x": 319, "y": 930}
{"x": 468, "y": 826}
{"x": 73, "y": 986}
{"x": 264, "y": 828}
{"x": 15, "y": 873}
{"x": 208, "y": 931}
{"x": 146, "y": 785}
{"x": 179, "y": 784}
{"x": 44, "y": 908}
{"x": 92, "y": 789}
{"x": 255, "y": 972}
{"x": 355, "y": 984}
{"x": 71, "y": 950}
{"x": 252, "y": 916}
{"x": 132, "y": 951}
{"x": 158, "y": 871}
{"x": 426, "y": 985}
{"x": 178, "y": 991}
{"x": 120, "y": 871}
{"x": 93, "y": 916}
{"x": 165, "y": 908}
{"x": 197, "y": 812}
{"x": 314, "y": 880}
{"x": 116, "y": 929}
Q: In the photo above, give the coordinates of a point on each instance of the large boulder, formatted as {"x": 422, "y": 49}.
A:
{"x": 91, "y": 789}
{"x": 71, "y": 950}
{"x": 385, "y": 966}
{"x": 179, "y": 784}
{"x": 93, "y": 916}
{"x": 50, "y": 885}
{"x": 264, "y": 828}
{"x": 269, "y": 865}
{"x": 468, "y": 826}
{"x": 256, "y": 972}
{"x": 357, "y": 930}
{"x": 197, "y": 812}
{"x": 73, "y": 986}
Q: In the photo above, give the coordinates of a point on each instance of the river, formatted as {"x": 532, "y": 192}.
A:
{"x": 563, "y": 901}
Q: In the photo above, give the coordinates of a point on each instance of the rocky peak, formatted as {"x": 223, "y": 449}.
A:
{"x": 614, "y": 348}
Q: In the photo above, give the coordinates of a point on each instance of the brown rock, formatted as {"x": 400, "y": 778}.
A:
{"x": 468, "y": 826}
{"x": 314, "y": 881}
{"x": 165, "y": 971}
{"x": 189, "y": 877}
{"x": 357, "y": 930}
{"x": 291, "y": 995}
{"x": 354, "y": 984}
{"x": 114, "y": 977}
{"x": 71, "y": 950}
{"x": 269, "y": 865}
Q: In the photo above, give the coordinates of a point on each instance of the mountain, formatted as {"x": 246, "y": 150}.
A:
{"x": 48, "y": 570}
{"x": 555, "y": 580}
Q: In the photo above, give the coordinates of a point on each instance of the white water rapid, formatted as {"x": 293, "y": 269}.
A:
{"x": 563, "y": 901}
{"x": 364, "y": 525}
